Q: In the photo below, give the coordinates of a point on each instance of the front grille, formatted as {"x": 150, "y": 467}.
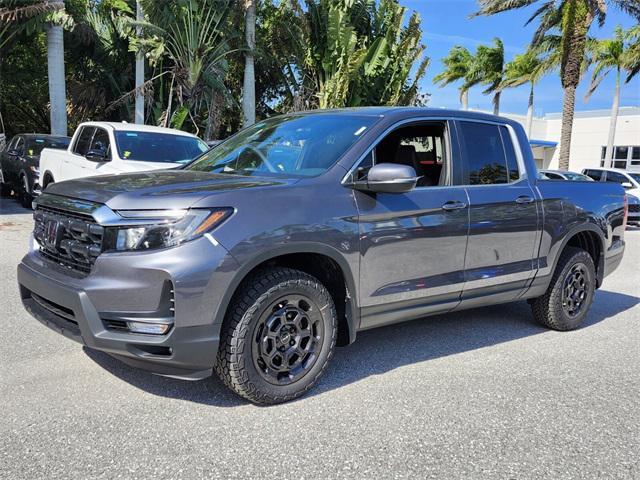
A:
{"x": 634, "y": 208}
{"x": 69, "y": 239}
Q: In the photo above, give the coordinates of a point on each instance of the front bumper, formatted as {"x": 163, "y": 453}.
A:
{"x": 126, "y": 284}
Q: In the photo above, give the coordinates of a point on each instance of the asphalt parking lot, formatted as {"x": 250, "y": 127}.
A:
{"x": 485, "y": 393}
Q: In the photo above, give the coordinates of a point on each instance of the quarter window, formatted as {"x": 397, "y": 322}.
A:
{"x": 83, "y": 142}
{"x": 486, "y": 154}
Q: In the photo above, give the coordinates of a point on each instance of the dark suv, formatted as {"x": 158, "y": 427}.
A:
{"x": 288, "y": 238}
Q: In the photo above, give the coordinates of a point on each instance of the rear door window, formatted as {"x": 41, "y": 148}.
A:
{"x": 83, "y": 142}
{"x": 490, "y": 156}
{"x": 595, "y": 174}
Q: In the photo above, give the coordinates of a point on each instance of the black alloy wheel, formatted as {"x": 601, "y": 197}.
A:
{"x": 287, "y": 339}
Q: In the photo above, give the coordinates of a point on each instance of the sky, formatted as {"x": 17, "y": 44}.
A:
{"x": 446, "y": 23}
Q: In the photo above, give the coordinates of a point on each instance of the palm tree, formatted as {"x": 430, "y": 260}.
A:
{"x": 249, "y": 83}
{"x": 192, "y": 35}
{"x": 529, "y": 68}
{"x": 633, "y": 35}
{"x": 610, "y": 55}
{"x": 459, "y": 66}
{"x": 50, "y": 15}
{"x": 488, "y": 68}
{"x": 572, "y": 18}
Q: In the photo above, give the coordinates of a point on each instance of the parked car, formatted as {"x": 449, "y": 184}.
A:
{"x": 298, "y": 232}
{"x": 633, "y": 205}
{"x": 100, "y": 148}
{"x": 19, "y": 164}
{"x": 564, "y": 175}
{"x": 630, "y": 181}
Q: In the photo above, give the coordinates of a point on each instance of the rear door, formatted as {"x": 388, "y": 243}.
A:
{"x": 413, "y": 244}
{"x": 503, "y": 217}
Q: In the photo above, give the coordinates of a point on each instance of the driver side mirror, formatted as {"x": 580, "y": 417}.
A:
{"x": 388, "y": 178}
{"x": 626, "y": 185}
{"x": 96, "y": 156}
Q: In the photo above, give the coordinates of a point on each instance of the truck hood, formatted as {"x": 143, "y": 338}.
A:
{"x": 170, "y": 189}
{"x": 126, "y": 166}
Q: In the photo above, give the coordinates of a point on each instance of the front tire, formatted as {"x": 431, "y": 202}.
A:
{"x": 278, "y": 336}
{"x": 24, "y": 195}
{"x": 570, "y": 294}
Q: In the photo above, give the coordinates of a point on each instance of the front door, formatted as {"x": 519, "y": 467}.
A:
{"x": 503, "y": 215}
{"x": 412, "y": 244}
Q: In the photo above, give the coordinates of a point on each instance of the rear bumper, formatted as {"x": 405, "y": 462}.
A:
{"x": 78, "y": 308}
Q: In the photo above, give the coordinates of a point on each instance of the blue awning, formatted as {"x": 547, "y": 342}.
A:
{"x": 543, "y": 143}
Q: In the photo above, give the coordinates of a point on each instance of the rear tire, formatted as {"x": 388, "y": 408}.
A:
{"x": 278, "y": 336}
{"x": 570, "y": 294}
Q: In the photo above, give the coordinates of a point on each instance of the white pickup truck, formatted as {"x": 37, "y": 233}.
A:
{"x": 102, "y": 148}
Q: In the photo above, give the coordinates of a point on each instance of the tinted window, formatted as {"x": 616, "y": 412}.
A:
{"x": 636, "y": 177}
{"x": 81, "y": 146}
{"x": 635, "y": 154}
{"x": 553, "y": 176}
{"x": 100, "y": 142}
{"x": 158, "y": 147}
{"x": 615, "y": 177}
{"x": 296, "y": 145}
{"x": 603, "y": 154}
{"x": 35, "y": 145}
{"x": 595, "y": 174}
{"x": 485, "y": 156}
{"x": 578, "y": 177}
{"x": 510, "y": 152}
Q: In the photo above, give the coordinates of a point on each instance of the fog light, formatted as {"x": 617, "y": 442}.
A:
{"x": 149, "y": 328}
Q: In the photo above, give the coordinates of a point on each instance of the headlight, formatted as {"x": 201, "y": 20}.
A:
{"x": 173, "y": 227}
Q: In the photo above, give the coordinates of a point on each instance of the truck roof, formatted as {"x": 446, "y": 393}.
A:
{"x": 134, "y": 127}
{"x": 384, "y": 111}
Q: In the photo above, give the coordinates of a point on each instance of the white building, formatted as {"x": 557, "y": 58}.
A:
{"x": 589, "y": 139}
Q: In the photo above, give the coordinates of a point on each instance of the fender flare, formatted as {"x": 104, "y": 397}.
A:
{"x": 584, "y": 227}
{"x": 352, "y": 314}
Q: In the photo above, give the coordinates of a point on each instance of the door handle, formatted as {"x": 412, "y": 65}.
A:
{"x": 454, "y": 205}
{"x": 524, "y": 199}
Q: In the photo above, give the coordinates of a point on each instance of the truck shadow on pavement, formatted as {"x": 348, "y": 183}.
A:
{"x": 376, "y": 351}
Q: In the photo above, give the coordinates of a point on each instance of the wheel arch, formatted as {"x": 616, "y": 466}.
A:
{"x": 589, "y": 238}
{"x": 47, "y": 178}
{"x": 320, "y": 261}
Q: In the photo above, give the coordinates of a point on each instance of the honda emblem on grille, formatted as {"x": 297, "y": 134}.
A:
{"x": 51, "y": 233}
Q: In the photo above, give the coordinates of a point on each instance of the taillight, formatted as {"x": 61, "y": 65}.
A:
{"x": 626, "y": 212}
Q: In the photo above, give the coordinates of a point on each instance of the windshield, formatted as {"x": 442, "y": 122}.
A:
{"x": 635, "y": 176}
{"x": 292, "y": 145}
{"x": 158, "y": 147}
{"x": 35, "y": 145}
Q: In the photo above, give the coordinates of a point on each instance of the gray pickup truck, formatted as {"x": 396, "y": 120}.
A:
{"x": 263, "y": 254}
